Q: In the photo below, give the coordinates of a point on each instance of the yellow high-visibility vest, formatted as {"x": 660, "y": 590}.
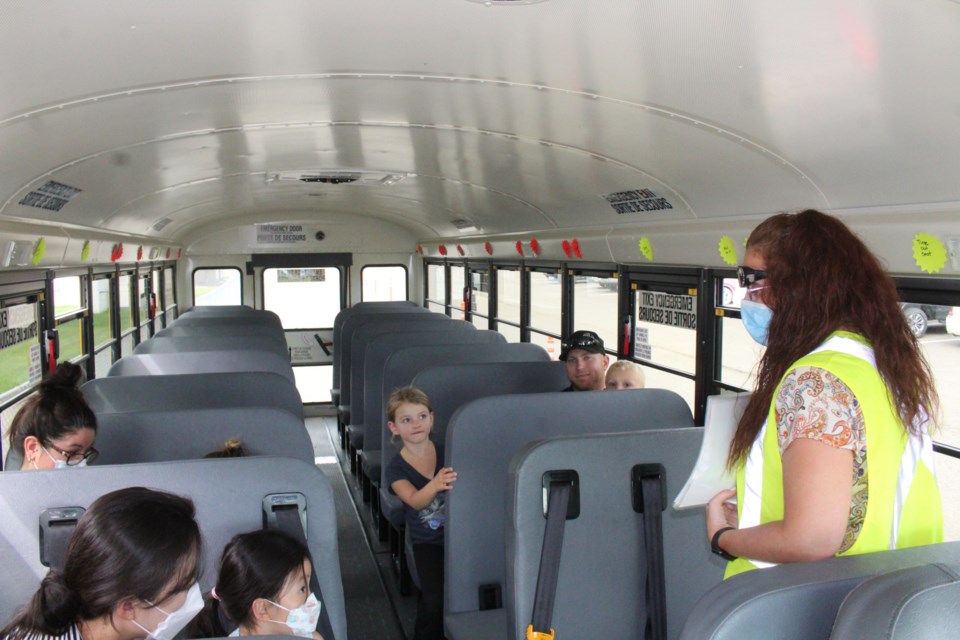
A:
{"x": 903, "y": 508}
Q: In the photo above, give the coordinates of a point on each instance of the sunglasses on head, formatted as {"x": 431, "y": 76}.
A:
{"x": 584, "y": 341}
{"x": 747, "y": 276}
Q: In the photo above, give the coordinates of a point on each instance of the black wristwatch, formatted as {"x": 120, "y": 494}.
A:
{"x": 715, "y": 544}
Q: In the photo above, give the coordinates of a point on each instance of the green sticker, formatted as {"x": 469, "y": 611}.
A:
{"x": 85, "y": 252}
{"x": 646, "y": 249}
{"x": 929, "y": 253}
{"x": 38, "y": 250}
{"x": 728, "y": 251}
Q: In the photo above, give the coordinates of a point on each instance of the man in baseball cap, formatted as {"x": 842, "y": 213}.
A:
{"x": 586, "y": 361}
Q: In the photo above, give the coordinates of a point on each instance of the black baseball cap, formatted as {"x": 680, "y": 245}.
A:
{"x": 586, "y": 340}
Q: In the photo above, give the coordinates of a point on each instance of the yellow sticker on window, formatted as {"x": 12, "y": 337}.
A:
{"x": 646, "y": 249}
{"x": 728, "y": 251}
{"x": 929, "y": 253}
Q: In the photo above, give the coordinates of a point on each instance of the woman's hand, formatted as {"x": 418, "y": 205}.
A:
{"x": 444, "y": 479}
{"x": 720, "y": 513}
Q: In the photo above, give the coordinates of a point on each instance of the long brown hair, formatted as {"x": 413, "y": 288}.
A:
{"x": 823, "y": 278}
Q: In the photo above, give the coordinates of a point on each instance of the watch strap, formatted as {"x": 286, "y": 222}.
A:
{"x": 715, "y": 544}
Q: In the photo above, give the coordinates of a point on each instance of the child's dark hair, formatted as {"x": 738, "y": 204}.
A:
{"x": 57, "y": 410}
{"x": 129, "y": 543}
{"x": 232, "y": 448}
{"x": 254, "y": 565}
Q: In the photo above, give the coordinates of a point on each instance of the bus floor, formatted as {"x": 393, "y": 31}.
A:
{"x": 374, "y": 606}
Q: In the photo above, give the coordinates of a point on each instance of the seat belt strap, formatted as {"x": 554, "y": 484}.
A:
{"x": 549, "y": 572}
{"x": 288, "y": 521}
{"x": 656, "y": 590}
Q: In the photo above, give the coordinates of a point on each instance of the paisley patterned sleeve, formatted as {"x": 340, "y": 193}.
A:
{"x": 813, "y": 403}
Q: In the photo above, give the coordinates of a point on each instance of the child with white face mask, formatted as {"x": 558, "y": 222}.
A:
{"x": 263, "y": 588}
{"x": 130, "y": 572}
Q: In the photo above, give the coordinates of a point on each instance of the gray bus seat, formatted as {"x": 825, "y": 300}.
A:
{"x": 364, "y": 335}
{"x": 265, "y": 320}
{"x": 188, "y": 434}
{"x": 451, "y": 386}
{"x": 601, "y": 586}
{"x": 401, "y": 306}
{"x": 218, "y": 329}
{"x": 201, "y": 362}
{"x": 482, "y": 438}
{"x": 192, "y": 391}
{"x": 374, "y": 342}
{"x": 920, "y": 602}
{"x": 403, "y": 365}
{"x": 779, "y": 601}
{"x": 342, "y": 350}
{"x": 181, "y": 344}
{"x": 229, "y": 496}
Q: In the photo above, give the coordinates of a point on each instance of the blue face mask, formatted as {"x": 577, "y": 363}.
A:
{"x": 756, "y": 318}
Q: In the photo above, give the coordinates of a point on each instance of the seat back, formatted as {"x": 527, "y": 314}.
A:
{"x": 778, "y": 602}
{"x": 601, "y": 586}
{"x": 373, "y": 343}
{"x": 182, "y": 344}
{"x": 232, "y": 504}
{"x": 177, "y": 330}
{"x": 362, "y": 309}
{"x": 192, "y": 391}
{"x": 482, "y": 438}
{"x": 190, "y": 434}
{"x": 403, "y": 365}
{"x": 201, "y": 362}
{"x": 919, "y": 602}
{"x": 453, "y": 385}
{"x": 257, "y": 319}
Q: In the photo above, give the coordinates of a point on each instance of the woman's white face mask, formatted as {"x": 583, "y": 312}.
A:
{"x": 176, "y": 620}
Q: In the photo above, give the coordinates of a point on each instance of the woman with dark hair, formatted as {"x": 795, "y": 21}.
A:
{"x": 130, "y": 572}
{"x": 833, "y": 452}
{"x": 55, "y": 428}
{"x": 263, "y": 588}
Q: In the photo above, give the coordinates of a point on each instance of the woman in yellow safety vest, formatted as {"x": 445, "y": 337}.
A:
{"x": 833, "y": 452}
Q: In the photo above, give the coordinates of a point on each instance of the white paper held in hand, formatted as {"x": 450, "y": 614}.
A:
{"x": 710, "y": 474}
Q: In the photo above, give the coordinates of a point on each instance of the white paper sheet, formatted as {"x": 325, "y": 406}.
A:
{"x": 710, "y": 474}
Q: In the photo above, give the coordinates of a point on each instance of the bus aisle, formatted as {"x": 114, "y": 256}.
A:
{"x": 373, "y": 603}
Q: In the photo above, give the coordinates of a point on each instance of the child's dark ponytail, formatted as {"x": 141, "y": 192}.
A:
{"x": 211, "y": 622}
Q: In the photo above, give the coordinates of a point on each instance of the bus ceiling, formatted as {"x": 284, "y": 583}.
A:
{"x": 628, "y": 131}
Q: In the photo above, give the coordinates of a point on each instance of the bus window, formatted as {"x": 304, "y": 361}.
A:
{"x": 740, "y": 354}
{"x": 383, "y": 283}
{"x": 103, "y": 337}
{"x": 939, "y": 338}
{"x": 306, "y": 298}
{"x": 595, "y": 307}
{"x": 508, "y": 303}
{"x": 217, "y": 286}
{"x": 479, "y": 284}
{"x": 22, "y": 327}
{"x": 66, "y": 295}
{"x": 436, "y": 288}
{"x": 545, "y": 302}
{"x": 456, "y": 292}
{"x": 124, "y": 290}
{"x": 68, "y": 301}
{"x": 665, "y": 335}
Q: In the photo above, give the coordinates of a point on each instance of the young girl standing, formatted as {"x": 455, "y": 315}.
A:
{"x": 417, "y": 476}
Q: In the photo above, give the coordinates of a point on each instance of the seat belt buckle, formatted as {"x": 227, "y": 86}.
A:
{"x": 538, "y": 635}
